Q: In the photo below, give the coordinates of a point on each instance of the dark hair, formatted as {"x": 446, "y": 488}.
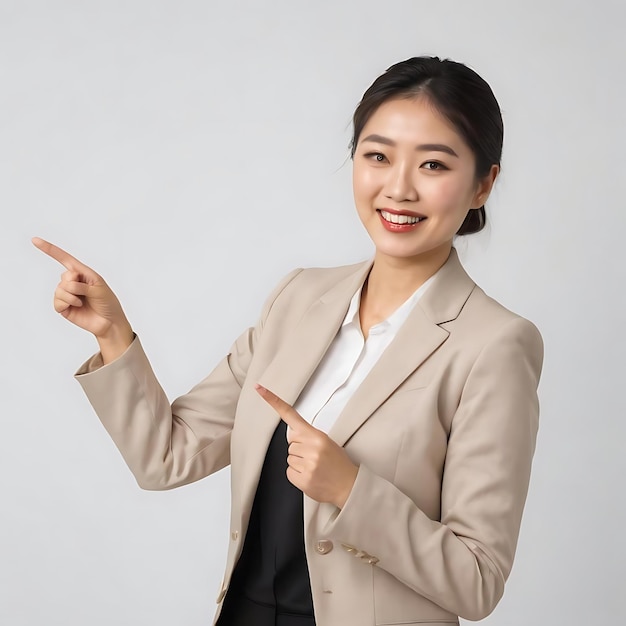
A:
{"x": 460, "y": 95}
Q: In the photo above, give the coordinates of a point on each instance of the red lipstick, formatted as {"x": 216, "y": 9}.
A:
{"x": 409, "y": 223}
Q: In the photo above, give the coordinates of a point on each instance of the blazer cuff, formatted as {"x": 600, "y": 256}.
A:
{"x": 95, "y": 362}
{"x": 357, "y": 519}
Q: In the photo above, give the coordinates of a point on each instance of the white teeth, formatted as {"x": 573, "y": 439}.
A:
{"x": 400, "y": 219}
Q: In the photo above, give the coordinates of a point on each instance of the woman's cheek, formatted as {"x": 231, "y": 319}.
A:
{"x": 360, "y": 185}
{"x": 453, "y": 195}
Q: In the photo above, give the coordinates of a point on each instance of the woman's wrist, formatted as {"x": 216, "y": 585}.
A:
{"x": 347, "y": 487}
{"x": 115, "y": 342}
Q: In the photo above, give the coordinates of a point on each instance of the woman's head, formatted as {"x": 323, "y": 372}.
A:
{"x": 459, "y": 96}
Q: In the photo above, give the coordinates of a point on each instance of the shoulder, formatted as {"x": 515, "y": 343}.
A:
{"x": 456, "y": 303}
{"x": 301, "y": 287}
{"x": 324, "y": 278}
{"x": 493, "y": 316}
{"x": 313, "y": 282}
{"x": 484, "y": 325}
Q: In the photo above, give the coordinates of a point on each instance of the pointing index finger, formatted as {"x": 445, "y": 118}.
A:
{"x": 60, "y": 255}
{"x": 287, "y": 413}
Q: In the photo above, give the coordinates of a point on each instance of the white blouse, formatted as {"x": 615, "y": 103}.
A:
{"x": 349, "y": 359}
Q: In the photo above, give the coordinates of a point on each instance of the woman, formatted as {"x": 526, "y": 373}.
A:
{"x": 380, "y": 419}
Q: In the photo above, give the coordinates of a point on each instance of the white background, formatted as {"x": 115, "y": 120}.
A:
{"x": 193, "y": 153}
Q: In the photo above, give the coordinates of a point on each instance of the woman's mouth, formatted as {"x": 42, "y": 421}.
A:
{"x": 399, "y": 222}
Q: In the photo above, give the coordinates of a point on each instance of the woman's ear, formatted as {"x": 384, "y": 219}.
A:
{"x": 485, "y": 185}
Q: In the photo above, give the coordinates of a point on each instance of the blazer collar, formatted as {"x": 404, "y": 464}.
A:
{"x": 420, "y": 335}
{"x": 441, "y": 303}
{"x": 448, "y": 294}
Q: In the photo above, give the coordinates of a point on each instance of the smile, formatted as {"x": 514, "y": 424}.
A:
{"x": 400, "y": 219}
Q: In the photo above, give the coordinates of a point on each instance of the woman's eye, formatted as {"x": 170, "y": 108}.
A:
{"x": 378, "y": 157}
{"x": 433, "y": 166}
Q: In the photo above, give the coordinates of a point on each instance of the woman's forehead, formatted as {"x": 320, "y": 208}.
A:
{"x": 411, "y": 121}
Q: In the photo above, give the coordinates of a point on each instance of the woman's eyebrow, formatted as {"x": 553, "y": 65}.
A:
{"x": 424, "y": 147}
{"x": 436, "y": 147}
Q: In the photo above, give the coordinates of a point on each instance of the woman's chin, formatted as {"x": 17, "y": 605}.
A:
{"x": 409, "y": 250}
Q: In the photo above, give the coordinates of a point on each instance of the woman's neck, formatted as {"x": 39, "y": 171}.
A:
{"x": 392, "y": 280}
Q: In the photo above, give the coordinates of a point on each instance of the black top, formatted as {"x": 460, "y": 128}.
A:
{"x": 272, "y": 569}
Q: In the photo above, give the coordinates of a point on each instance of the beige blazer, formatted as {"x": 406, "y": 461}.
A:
{"x": 443, "y": 429}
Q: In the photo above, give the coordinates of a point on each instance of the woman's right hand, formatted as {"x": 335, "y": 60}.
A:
{"x": 84, "y": 298}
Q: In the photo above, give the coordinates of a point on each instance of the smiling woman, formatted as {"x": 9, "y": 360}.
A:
{"x": 380, "y": 419}
{"x": 414, "y": 174}
{"x": 426, "y": 146}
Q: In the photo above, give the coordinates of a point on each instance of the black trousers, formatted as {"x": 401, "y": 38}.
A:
{"x": 239, "y": 611}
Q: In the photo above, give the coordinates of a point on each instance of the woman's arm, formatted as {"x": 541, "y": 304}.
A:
{"x": 164, "y": 445}
{"x": 462, "y": 562}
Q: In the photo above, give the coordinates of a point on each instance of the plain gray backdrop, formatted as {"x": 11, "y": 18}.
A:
{"x": 195, "y": 152}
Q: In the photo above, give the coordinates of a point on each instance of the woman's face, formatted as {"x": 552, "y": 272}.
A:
{"x": 414, "y": 180}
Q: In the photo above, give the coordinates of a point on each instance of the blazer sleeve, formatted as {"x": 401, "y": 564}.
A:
{"x": 461, "y": 562}
{"x": 165, "y": 445}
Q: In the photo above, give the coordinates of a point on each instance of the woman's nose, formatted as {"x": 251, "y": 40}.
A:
{"x": 400, "y": 185}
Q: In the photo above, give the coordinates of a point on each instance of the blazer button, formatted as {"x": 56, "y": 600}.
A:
{"x": 324, "y": 546}
{"x": 220, "y": 595}
{"x": 234, "y": 535}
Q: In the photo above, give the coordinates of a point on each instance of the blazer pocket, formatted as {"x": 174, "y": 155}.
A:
{"x": 411, "y": 385}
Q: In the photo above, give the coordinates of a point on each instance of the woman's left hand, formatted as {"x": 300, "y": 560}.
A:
{"x": 316, "y": 464}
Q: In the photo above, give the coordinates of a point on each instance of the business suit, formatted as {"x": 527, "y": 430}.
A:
{"x": 443, "y": 430}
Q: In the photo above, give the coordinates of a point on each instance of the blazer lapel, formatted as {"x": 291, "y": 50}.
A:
{"x": 417, "y": 339}
{"x": 419, "y": 336}
{"x": 307, "y": 343}
{"x": 287, "y": 374}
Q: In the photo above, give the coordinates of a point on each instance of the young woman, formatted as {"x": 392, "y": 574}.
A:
{"x": 380, "y": 419}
